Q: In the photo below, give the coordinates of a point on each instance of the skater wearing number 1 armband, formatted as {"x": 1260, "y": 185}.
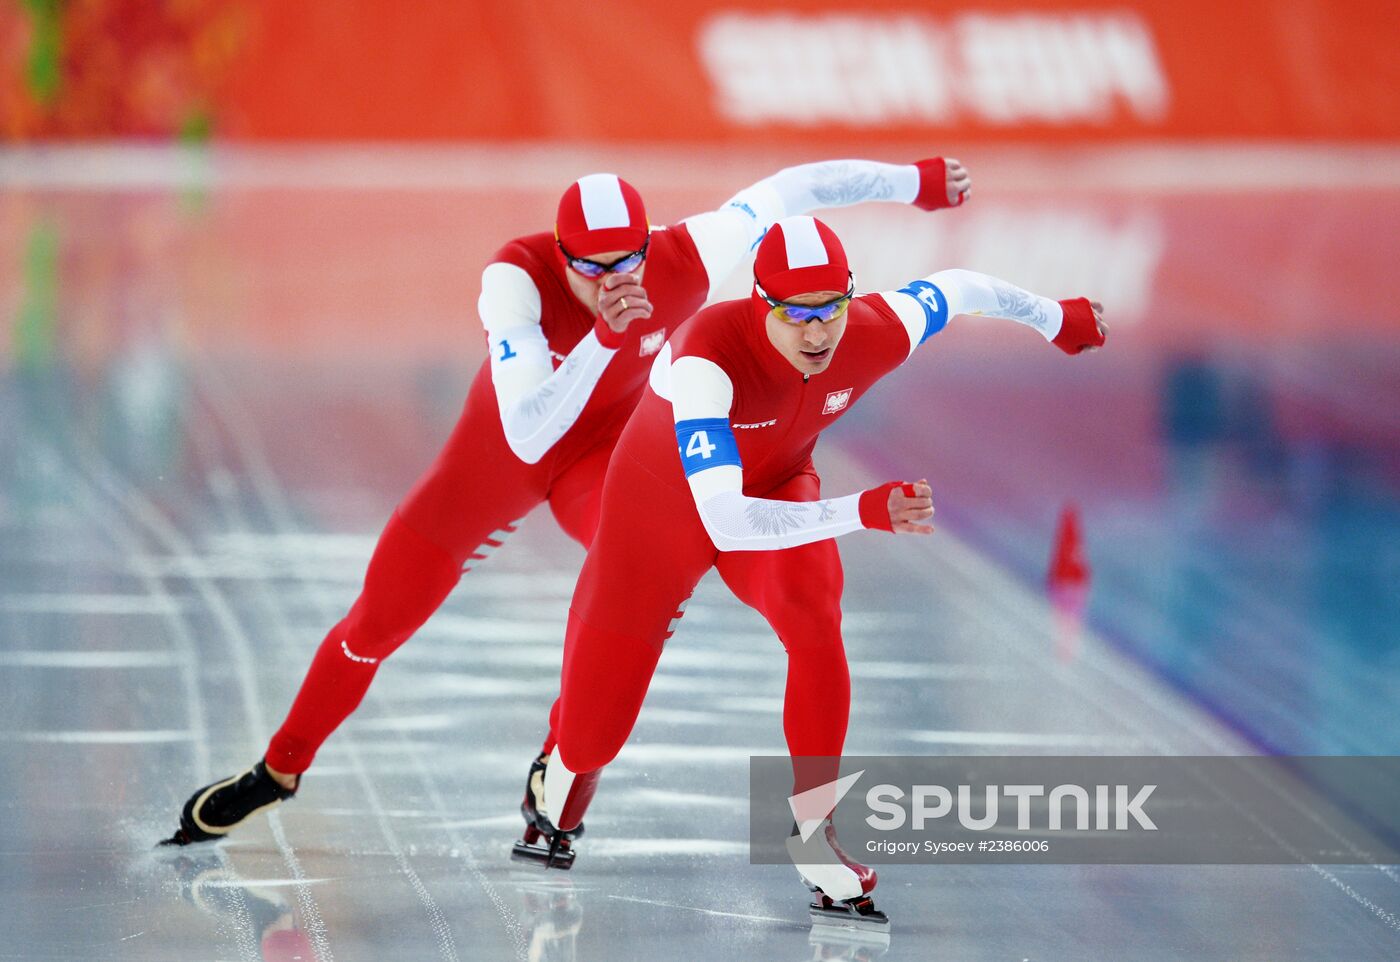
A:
{"x": 573, "y": 320}
{"x": 685, "y": 491}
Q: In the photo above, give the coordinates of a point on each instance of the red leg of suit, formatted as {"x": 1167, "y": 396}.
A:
{"x": 798, "y": 591}
{"x": 649, "y": 552}
{"x": 576, "y": 491}
{"x": 574, "y": 499}
{"x": 455, "y": 516}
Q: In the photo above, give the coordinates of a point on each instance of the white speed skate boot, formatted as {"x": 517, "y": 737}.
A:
{"x": 842, "y": 886}
{"x": 548, "y": 787}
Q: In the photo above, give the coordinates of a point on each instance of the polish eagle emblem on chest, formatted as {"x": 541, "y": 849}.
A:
{"x": 836, "y": 401}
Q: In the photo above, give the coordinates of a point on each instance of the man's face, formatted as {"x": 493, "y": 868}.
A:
{"x": 808, "y": 346}
{"x": 586, "y": 288}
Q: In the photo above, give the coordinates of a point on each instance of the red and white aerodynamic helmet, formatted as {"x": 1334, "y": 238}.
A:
{"x": 598, "y": 213}
{"x": 800, "y": 255}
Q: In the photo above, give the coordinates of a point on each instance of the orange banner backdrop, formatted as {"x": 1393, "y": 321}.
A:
{"x": 698, "y": 71}
{"x": 686, "y": 70}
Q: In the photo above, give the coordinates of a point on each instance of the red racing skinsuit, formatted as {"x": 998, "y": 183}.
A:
{"x": 715, "y": 469}
{"x": 477, "y": 491}
{"x": 542, "y": 417}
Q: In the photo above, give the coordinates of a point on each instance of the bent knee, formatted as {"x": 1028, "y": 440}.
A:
{"x": 815, "y": 625}
{"x": 367, "y": 643}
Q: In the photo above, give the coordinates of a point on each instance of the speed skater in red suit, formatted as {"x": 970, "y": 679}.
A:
{"x": 573, "y": 320}
{"x": 715, "y": 469}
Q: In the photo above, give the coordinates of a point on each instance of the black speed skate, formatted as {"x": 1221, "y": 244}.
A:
{"x": 216, "y": 809}
{"x": 542, "y": 842}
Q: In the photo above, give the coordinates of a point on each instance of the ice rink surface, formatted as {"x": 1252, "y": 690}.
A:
{"x": 212, "y": 396}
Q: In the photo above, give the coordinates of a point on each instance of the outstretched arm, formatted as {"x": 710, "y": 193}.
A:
{"x": 925, "y": 306}
{"x": 701, "y": 396}
{"x": 538, "y": 403}
{"x": 724, "y": 236}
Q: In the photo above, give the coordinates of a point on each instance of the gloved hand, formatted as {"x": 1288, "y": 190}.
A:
{"x": 1083, "y": 328}
{"x": 943, "y": 182}
{"x": 897, "y": 506}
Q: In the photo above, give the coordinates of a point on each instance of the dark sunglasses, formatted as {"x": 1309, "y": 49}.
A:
{"x": 592, "y": 269}
{"x": 802, "y": 313}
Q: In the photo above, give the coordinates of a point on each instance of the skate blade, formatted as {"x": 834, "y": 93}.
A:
{"x": 843, "y": 923}
{"x": 178, "y": 839}
{"x": 540, "y": 855}
{"x": 182, "y": 840}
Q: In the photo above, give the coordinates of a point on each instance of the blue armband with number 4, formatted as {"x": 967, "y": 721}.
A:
{"x": 706, "y": 443}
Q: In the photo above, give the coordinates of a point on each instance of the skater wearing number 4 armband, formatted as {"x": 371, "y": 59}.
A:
{"x": 573, "y": 320}
{"x": 685, "y": 492}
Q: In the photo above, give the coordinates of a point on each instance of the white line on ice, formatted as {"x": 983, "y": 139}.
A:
{"x": 655, "y": 753}
{"x": 265, "y": 883}
{"x": 135, "y": 737}
{"x": 91, "y": 659}
{"x": 440, "y": 721}
{"x": 640, "y": 847}
{"x": 771, "y": 660}
{"x": 661, "y": 796}
{"x": 510, "y": 821}
{"x": 1037, "y": 739}
{"x": 342, "y": 812}
{"x": 686, "y": 716}
{"x": 929, "y": 671}
{"x": 696, "y": 908}
{"x": 90, "y": 604}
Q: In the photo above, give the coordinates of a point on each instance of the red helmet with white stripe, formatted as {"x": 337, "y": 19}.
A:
{"x": 599, "y": 213}
{"x": 800, "y": 255}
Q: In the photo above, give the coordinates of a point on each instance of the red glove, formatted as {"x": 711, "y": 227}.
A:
{"x": 607, "y": 336}
{"x": 875, "y": 505}
{"x": 1078, "y": 330}
{"x": 933, "y": 185}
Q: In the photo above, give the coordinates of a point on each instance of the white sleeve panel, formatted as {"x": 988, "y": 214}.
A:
{"x": 701, "y": 390}
{"x": 968, "y": 292}
{"x": 738, "y": 523}
{"x": 724, "y": 236}
{"x": 509, "y": 298}
{"x": 910, "y": 313}
{"x": 840, "y": 183}
{"x": 537, "y": 403}
{"x": 659, "y": 378}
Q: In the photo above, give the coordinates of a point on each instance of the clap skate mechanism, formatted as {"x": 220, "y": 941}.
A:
{"x": 541, "y": 842}
{"x": 841, "y": 885}
{"x": 858, "y": 914}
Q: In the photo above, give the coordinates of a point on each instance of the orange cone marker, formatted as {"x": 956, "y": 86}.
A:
{"x": 1068, "y": 583}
